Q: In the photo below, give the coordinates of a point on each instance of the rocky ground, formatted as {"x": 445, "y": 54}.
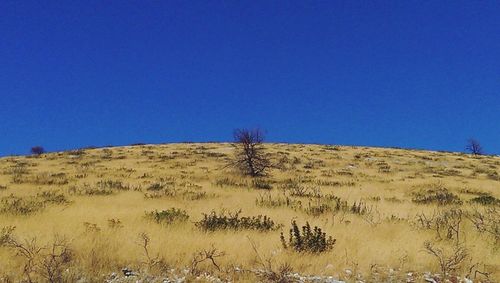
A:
{"x": 391, "y": 275}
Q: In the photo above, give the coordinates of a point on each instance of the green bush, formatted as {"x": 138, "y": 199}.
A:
{"x": 485, "y": 200}
{"x": 307, "y": 240}
{"x": 233, "y": 221}
{"x": 168, "y": 216}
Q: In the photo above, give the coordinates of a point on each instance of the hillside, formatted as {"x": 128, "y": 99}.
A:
{"x": 388, "y": 210}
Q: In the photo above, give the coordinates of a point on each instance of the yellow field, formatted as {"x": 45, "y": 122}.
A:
{"x": 383, "y": 242}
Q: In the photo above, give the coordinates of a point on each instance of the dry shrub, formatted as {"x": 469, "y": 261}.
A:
{"x": 450, "y": 260}
{"x": 40, "y": 262}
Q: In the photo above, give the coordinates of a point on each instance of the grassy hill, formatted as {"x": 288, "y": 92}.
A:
{"x": 175, "y": 211}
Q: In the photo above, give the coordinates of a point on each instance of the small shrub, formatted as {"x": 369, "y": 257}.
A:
{"x": 154, "y": 263}
{"x": 383, "y": 167}
{"x": 193, "y": 195}
{"x": 446, "y": 223}
{"x": 155, "y": 187}
{"x": 20, "y": 205}
{"x": 159, "y": 192}
{"x": 41, "y": 263}
{"x": 233, "y": 221}
{"x": 52, "y": 197}
{"x": 473, "y": 192}
{"x": 436, "y": 195}
{"x": 168, "y": 216}
{"x": 261, "y": 184}
{"x": 449, "y": 260}
{"x": 308, "y": 240}
{"x": 91, "y": 227}
{"x": 268, "y": 200}
{"x": 114, "y": 185}
{"x": 360, "y": 208}
{"x": 393, "y": 199}
{"x": 493, "y": 175}
{"x": 18, "y": 171}
{"x": 317, "y": 209}
{"x": 87, "y": 190}
{"x": 486, "y": 221}
{"x": 48, "y": 179}
{"x": 30, "y": 204}
{"x": 6, "y": 234}
{"x": 486, "y": 200}
{"x": 225, "y": 181}
{"x": 115, "y": 223}
{"x": 205, "y": 255}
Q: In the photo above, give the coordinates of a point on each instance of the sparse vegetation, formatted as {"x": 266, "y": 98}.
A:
{"x": 381, "y": 205}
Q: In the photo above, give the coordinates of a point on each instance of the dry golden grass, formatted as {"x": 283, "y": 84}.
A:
{"x": 370, "y": 244}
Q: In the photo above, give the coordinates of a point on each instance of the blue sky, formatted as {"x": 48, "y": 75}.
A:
{"x": 416, "y": 74}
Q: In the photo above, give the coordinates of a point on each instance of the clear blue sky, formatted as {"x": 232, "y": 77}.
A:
{"x": 417, "y": 74}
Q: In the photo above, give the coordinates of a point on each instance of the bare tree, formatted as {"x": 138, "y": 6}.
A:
{"x": 474, "y": 147}
{"x": 250, "y": 156}
{"x": 37, "y": 150}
